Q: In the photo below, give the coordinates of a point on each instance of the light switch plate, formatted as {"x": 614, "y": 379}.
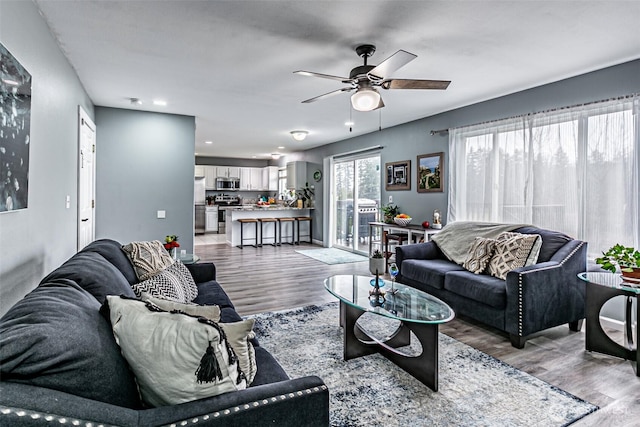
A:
{"x": 162, "y": 214}
{"x": 390, "y": 199}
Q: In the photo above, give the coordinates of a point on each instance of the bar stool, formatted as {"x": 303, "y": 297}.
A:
{"x": 242, "y": 222}
{"x": 275, "y": 231}
{"x": 399, "y": 237}
{"x": 292, "y": 236}
{"x": 300, "y": 219}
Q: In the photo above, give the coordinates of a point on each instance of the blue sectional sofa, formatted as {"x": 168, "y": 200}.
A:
{"x": 60, "y": 364}
{"x": 531, "y": 299}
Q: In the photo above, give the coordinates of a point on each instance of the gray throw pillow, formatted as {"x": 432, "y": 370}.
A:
{"x": 513, "y": 250}
{"x": 175, "y": 358}
{"x": 479, "y": 255}
{"x": 173, "y": 283}
{"x": 148, "y": 258}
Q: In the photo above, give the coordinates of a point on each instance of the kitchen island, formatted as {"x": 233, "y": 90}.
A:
{"x": 252, "y": 211}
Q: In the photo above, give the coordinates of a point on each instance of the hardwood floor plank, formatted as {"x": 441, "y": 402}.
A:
{"x": 278, "y": 278}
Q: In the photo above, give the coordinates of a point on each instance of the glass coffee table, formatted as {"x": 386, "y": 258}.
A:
{"x": 601, "y": 287}
{"x": 417, "y": 311}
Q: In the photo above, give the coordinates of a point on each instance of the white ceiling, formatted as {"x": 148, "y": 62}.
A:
{"x": 230, "y": 63}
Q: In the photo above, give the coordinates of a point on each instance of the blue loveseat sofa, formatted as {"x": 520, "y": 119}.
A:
{"x": 60, "y": 364}
{"x": 531, "y": 299}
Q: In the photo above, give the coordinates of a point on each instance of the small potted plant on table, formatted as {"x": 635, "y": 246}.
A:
{"x": 376, "y": 263}
{"x": 389, "y": 212}
{"x": 627, "y": 259}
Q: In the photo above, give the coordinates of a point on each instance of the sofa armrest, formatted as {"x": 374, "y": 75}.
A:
{"x": 202, "y": 271}
{"x": 548, "y": 294}
{"x": 301, "y": 401}
{"x": 427, "y": 250}
{"x": 298, "y": 402}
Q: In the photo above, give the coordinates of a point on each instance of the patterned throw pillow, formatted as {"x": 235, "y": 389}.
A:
{"x": 479, "y": 255}
{"x": 175, "y": 358}
{"x": 513, "y": 250}
{"x": 174, "y": 283}
{"x": 148, "y": 258}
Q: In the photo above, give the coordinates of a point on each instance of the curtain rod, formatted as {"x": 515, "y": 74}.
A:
{"x": 444, "y": 131}
{"x": 362, "y": 150}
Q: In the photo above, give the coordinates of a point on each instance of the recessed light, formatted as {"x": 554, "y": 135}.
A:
{"x": 254, "y": 157}
{"x": 281, "y": 148}
{"x": 208, "y": 142}
{"x": 349, "y": 123}
{"x": 160, "y": 102}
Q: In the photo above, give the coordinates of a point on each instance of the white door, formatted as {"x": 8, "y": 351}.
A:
{"x": 86, "y": 180}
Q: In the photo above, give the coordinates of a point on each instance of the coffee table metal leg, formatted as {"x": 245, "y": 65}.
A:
{"x": 352, "y": 346}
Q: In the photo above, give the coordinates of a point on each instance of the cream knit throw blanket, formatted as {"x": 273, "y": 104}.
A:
{"x": 456, "y": 238}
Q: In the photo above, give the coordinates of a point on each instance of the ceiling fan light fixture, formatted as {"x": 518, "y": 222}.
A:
{"x": 365, "y": 99}
{"x": 299, "y": 135}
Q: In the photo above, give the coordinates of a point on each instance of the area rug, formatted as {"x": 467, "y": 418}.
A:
{"x": 332, "y": 255}
{"x": 475, "y": 389}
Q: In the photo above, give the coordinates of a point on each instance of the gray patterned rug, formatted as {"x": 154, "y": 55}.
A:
{"x": 332, "y": 255}
{"x": 475, "y": 389}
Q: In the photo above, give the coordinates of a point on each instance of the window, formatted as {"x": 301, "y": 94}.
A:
{"x": 573, "y": 170}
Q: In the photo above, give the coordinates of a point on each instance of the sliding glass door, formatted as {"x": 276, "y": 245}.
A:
{"x": 356, "y": 199}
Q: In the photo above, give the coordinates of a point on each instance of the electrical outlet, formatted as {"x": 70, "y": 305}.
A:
{"x": 162, "y": 214}
{"x": 390, "y": 199}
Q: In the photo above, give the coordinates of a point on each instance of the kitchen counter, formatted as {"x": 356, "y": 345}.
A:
{"x": 234, "y": 213}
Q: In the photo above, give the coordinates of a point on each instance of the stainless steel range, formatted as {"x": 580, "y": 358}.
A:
{"x": 224, "y": 201}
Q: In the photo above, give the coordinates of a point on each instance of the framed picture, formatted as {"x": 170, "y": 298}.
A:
{"x": 430, "y": 173}
{"x": 398, "y": 175}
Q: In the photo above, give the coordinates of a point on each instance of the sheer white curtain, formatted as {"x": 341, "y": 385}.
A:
{"x": 573, "y": 170}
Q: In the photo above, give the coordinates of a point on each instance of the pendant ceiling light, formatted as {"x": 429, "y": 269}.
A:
{"x": 365, "y": 99}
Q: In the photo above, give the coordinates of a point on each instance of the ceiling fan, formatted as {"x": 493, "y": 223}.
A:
{"x": 365, "y": 79}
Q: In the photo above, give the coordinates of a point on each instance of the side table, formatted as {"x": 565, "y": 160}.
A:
{"x": 601, "y": 287}
{"x": 189, "y": 258}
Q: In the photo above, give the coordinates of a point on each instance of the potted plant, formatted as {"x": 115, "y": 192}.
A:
{"x": 627, "y": 259}
{"x": 389, "y": 212}
{"x": 376, "y": 263}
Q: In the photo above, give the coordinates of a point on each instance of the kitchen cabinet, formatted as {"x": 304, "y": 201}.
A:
{"x": 228, "y": 172}
{"x": 199, "y": 171}
{"x": 270, "y": 178}
{"x": 210, "y": 174}
{"x": 296, "y": 175}
{"x": 251, "y": 179}
{"x": 211, "y": 219}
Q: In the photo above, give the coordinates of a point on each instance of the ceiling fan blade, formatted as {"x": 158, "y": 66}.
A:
{"x": 326, "y": 95}
{"x": 324, "y": 76}
{"x": 391, "y": 64}
{"x": 415, "y": 84}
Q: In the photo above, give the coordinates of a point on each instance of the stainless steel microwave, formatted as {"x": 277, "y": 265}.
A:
{"x": 227, "y": 184}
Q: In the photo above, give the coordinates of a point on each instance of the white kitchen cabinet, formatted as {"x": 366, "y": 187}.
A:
{"x": 270, "y": 178}
{"x": 211, "y": 219}
{"x": 228, "y": 172}
{"x": 296, "y": 175}
{"x": 251, "y": 179}
{"x": 199, "y": 171}
{"x": 210, "y": 174}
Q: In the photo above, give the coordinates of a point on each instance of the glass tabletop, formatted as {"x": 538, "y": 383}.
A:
{"x": 189, "y": 258}
{"x": 611, "y": 280}
{"x": 406, "y": 304}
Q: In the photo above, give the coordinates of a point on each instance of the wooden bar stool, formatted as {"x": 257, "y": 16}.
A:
{"x": 264, "y": 221}
{"x": 242, "y": 222}
{"x": 300, "y": 219}
{"x": 292, "y": 236}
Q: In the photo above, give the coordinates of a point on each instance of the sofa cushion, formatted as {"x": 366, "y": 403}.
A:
{"x": 482, "y": 288}
{"x": 269, "y": 370}
{"x": 148, "y": 258}
{"x": 56, "y": 338}
{"x": 479, "y": 255}
{"x": 199, "y": 362}
{"x": 552, "y": 241}
{"x": 431, "y": 272}
{"x": 94, "y": 274}
{"x": 513, "y": 250}
{"x": 174, "y": 283}
{"x": 212, "y": 293}
{"x": 112, "y": 252}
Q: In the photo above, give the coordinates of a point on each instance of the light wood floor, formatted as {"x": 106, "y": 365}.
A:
{"x": 268, "y": 278}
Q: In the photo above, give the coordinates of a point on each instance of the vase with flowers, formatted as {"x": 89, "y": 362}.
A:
{"x": 171, "y": 245}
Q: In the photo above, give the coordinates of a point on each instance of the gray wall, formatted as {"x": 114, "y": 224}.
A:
{"x": 144, "y": 164}
{"x": 38, "y": 239}
{"x": 407, "y": 141}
